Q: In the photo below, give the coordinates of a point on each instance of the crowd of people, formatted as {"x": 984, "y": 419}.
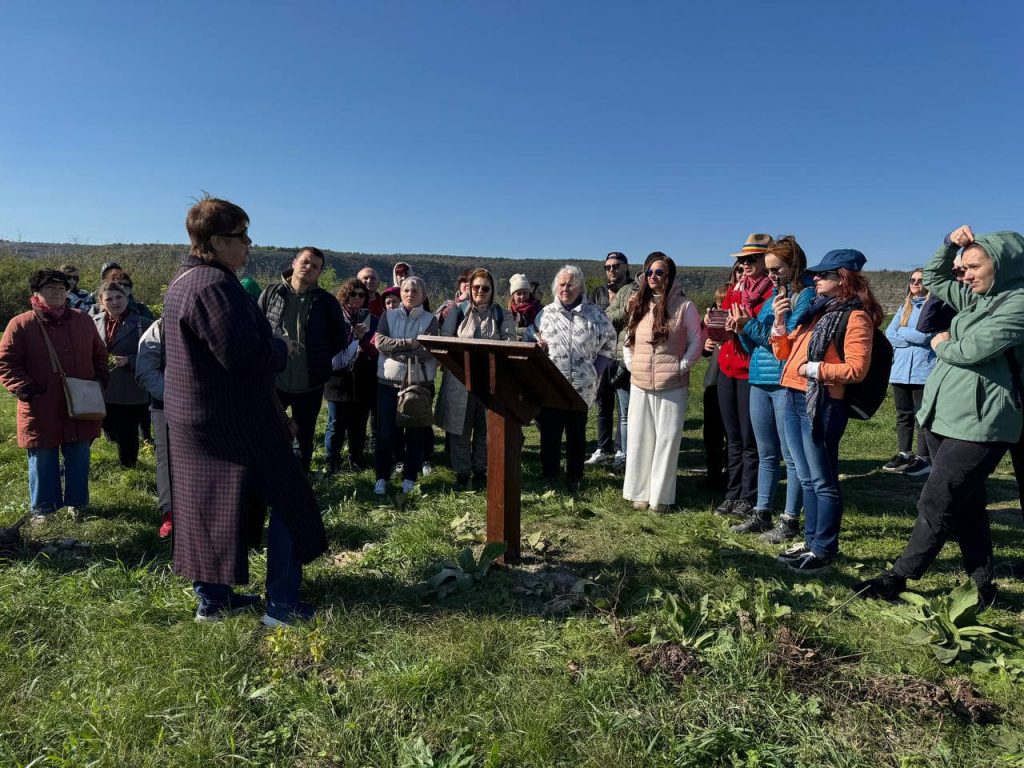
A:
{"x": 231, "y": 379}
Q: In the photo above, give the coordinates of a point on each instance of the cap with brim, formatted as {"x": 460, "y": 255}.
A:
{"x": 44, "y": 277}
{"x": 756, "y": 245}
{"x": 616, "y": 256}
{"x": 843, "y": 258}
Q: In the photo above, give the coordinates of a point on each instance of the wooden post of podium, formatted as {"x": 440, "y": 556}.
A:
{"x": 513, "y": 380}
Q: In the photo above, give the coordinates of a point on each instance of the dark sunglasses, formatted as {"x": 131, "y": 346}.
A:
{"x": 830, "y": 275}
{"x": 481, "y": 289}
{"x": 358, "y": 294}
{"x": 916, "y": 281}
{"x": 746, "y": 260}
{"x": 655, "y": 273}
{"x": 613, "y": 265}
{"x": 774, "y": 270}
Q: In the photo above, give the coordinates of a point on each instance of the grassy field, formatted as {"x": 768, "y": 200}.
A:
{"x": 546, "y": 664}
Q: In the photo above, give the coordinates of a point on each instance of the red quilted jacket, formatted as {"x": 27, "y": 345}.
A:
{"x": 733, "y": 360}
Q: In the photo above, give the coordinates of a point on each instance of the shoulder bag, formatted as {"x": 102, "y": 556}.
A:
{"x": 83, "y": 396}
{"x": 415, "y": 400}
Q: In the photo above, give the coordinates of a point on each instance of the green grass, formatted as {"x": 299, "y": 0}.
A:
{"x": 103, "y": 665}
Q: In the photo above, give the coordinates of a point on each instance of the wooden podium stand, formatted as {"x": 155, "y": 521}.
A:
{"x": 513, "y": 380}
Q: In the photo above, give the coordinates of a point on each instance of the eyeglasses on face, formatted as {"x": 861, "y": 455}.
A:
{"x": 481, "y": 289}
{"x": 613, "y": 265}
{"x": 655, "y": 273}
{"x": 358, "y": 295}
{"x": 743, "y": 260}
{"x": 775, "y": 270}
{"x": 830, "y": 275}
{"x": 916, "y": 281}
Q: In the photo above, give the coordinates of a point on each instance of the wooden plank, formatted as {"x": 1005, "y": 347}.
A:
{"x": 504, "y": 446}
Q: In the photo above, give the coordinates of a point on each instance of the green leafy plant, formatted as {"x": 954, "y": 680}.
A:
{"x": 1008, "y": 667}
{"x": 682, "y": 622}
{"x": 465, "y": 572}
{"x": 949, "y": 626}
{"x": 751, "y": 607}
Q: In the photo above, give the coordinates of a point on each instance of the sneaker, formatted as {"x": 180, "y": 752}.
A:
{"x": 792, "y": 553}
{"x": 787, "y": 528}
{"x": 725, "y": 508}
{"x": 619, "y": 462}
{"x": 918, "y": 467}
{"x": 741, "y": 509}
{"x": 897, "y": 463}
{"x": 39, "y": 518}
{"x": 166, "y": 526}
{"x": 237, "y": 602}
{"x": 809, "y": 562}
{"x": 407, "y": 486}
{"x": 428, "y": 468}
{"x": 886, "y": 586}
{"x": 758, "y": 521}
{"x": 597, "y": 458}
{"x": 381, "y": 487}
{"x": 640, "y": 505}
{"x": 287, "y": 617}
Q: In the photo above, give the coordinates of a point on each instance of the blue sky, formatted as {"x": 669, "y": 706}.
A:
{"x": 516, "y": 129}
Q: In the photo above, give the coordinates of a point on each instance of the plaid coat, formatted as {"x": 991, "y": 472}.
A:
{"x": 230, "y": 449}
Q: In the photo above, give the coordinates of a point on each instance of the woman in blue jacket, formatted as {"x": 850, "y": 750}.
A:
{"x": 913, "y": 359}
{"x": 785, "y": 262}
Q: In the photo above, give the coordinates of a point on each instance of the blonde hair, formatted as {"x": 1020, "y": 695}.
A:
{"x": 908, "y": 304}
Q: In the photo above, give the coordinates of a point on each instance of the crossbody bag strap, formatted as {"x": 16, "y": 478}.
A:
{"x": 54, "y": 361}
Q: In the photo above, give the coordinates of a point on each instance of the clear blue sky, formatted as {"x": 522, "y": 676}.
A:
{"x": 516, "y": 129}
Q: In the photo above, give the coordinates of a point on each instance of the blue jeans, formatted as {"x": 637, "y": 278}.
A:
{"x": 622, "y": 395}
{"x": 816, "y": 457}
{"x": 768, "y": 417}
{"x": 284, "y": 574}
{"x": 44, "y": 471}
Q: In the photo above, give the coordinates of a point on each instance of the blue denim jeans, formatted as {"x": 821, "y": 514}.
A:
{"x": 622, "y": 395}
{"x": 768, "y": 417}
{"x": 44, "y": 473}
{"x": 816, "y": 458}
{"x": 284, "y": 574}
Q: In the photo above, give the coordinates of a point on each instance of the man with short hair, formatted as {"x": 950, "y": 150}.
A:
{"x": 368, "y": 277}
{"x": 311, "y": 318}
{"x": 77, "y": 298}
{"x": 616, "y": 271}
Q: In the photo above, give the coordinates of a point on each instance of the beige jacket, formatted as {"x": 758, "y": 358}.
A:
{"x": 667, "y": 365}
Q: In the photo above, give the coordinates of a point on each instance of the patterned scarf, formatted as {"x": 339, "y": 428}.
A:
{"x": 828, "y": 311}
{"x": 751, "y": 290}
{"x": 48, "y": 313}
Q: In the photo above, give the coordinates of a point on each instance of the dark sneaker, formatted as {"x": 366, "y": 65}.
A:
{"x": 918, "y": 467}
{"x": 742, "y": 509}
{"x": 809, "y": 562}
{"x": 725, "y": 508}
{"x": 786, "y": 529}
{"x": 238, "y": 601}
{"x": 886, "y": 586}
{"x": 896, "y": 464}
{"x": 759, "y": 520}
{"x": 288, "y": 617}
{"x": 794, "y": 552}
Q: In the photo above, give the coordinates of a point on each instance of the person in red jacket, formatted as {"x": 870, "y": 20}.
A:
{"x": 743, "y": 301}
{"x": 29, "y": 373}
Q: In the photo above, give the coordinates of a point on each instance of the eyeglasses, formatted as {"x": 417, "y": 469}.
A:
{"x": 747, "y": 259}
{"x": 481, "y": 289}
{"x": 243, "y": 235}
{"x": 775, "y": 270}
{"x": 613, "y": 265}
{"x": 830, "y": 275}
{"x": 358, "y": 294}
{"x": 916, "y": 281}
{"x": 655, "y": 273}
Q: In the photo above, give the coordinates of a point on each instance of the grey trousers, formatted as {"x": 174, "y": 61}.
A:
{"x": 469, "y": 450}
{"x": 163, "y": 460}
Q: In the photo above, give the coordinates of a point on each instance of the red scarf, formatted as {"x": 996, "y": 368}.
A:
{"x": 48, "y": 312}
{"x": 751, "y": 291}
{"x": 113, "y": 323}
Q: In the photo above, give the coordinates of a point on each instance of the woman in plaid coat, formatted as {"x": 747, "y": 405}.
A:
{"x": 230, "y": 449}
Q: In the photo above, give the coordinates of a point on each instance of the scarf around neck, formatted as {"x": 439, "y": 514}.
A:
{"x": 829, "y": 312}
{"x": 48, "y": 312}
{"x": 751, "y": 290}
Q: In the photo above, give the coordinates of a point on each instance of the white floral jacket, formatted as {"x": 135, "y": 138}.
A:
{"x": 575, "y": 338}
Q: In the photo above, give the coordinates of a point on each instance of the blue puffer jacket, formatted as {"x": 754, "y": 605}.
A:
{"x": 913, "y": 358}
{"x": 756, "y": 337}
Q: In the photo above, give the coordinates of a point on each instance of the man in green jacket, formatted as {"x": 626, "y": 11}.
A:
{"x": 971, "y": 406}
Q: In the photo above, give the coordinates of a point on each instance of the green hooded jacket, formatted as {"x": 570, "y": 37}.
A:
{"x": 969, "y": 394}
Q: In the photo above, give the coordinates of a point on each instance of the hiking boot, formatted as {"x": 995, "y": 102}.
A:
{"x": 619, "y": 462}
{"x": 725, "y": 508}
{"x": 742, "y": 509}
{"x": 597, "y": 458}
{"x": 758, "y": 521}
{"x": 886, "y": 586}
{"x": 237, "y": 602}
{"x": 897, "y": 463}
{"x": 918, "y": 467}
{"x": 792, "y": 553}
{"x": 786, "y": 529}
{"x": 809, "y": 563}
{"x": 166, "y": 526}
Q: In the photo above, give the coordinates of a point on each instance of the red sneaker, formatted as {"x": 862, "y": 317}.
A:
{"x": 166, "y": 526}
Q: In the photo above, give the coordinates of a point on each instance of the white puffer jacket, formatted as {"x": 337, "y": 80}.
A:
{"x": 395, "y": 339}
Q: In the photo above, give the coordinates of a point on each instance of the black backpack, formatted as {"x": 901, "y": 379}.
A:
{"x": 864, "y": 398}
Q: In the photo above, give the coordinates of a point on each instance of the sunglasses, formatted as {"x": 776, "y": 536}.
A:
{"x": 830, "y": 275}
{"x": 747, "y": 259}
{"x": 481, "y": 289}
{"x": 655, "y": 273}
{"x": 613, "y": 265}
{"x": 916, "y": 281}
{"x": 358, "y": 294}
{"x": 774, "y": 270}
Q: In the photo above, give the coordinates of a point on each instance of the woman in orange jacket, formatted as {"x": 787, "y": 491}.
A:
{"x": 815, "y": 376}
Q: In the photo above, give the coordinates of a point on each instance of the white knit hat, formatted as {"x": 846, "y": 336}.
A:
{"x": 518, "y": 283}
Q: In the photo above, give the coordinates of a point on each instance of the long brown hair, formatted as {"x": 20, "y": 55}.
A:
{"x": 853, "y": 285}
{"x": 908, "y": 305}
{"x": 787, "y": 249}
{"x": 640, "y": 304}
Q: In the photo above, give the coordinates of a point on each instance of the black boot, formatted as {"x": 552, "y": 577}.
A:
{"x": 479, "y": 481}
{"x": 886, "y": 586}
{"x": 758, "y": 521}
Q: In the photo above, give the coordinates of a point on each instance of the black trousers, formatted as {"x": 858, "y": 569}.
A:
{"x": 1017, "y": 457}
{"x": 907, "y": 399}
{"x": 952, "y": 505}
{"x": 714, "y": 439}
{"x": 741, "y": 458}
{"x": 552, "y": 423}
{"x": 606, "y": 415}
{"x": 305, "y": 410}
{"x": 121, "y": 426}
{"x": 408, "y": 445}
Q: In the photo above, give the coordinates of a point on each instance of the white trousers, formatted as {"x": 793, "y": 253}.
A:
{"x": 655, "y": 430}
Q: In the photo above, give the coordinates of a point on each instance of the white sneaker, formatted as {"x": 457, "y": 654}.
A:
{"x": 381, "y": 487}
{"x": 598, "y": 457}
{"x": 427, "y": 468}
{"x": 407, "y": 486}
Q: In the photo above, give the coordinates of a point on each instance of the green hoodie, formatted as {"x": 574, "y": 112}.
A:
{"x": 969, "y": 394}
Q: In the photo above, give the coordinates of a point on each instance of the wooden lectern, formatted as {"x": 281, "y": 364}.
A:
{"x": 513, "y": 380}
